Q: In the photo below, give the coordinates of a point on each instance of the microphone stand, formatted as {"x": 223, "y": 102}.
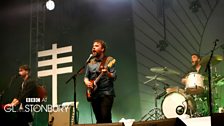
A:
{"x": 80, "y": 71}
{"x": 209, "y": 79}
{"x": 10, "y": 83}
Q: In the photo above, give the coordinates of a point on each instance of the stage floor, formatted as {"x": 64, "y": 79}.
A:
{"x": 200, "y": 121}
{"x": 217, "y": 120}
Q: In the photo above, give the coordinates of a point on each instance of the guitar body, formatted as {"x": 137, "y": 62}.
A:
{"x": 90, "y": 90}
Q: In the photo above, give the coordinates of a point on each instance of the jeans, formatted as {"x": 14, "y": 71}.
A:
{"x": 102, "y": 107}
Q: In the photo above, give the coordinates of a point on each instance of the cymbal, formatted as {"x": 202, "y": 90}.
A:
{"x": 215, "y": 59}
{"x": 155, "y": 78}
{"x": 163, "y": 70}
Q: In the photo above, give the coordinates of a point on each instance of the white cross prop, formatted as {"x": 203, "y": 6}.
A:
{"x": 54, "y": 62}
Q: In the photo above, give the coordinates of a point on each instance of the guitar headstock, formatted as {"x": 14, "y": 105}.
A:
{"x": 111, "y": 63}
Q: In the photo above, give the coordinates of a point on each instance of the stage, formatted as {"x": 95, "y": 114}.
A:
{"x": 199, "y": 121}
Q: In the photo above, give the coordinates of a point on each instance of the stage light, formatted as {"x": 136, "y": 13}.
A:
{"x": 50, "y": 5}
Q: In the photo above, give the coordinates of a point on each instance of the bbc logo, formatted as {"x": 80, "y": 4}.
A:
{"x": 32, "y": 99}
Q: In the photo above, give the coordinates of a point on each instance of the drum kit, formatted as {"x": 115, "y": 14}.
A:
{"x": 185, "y": 103}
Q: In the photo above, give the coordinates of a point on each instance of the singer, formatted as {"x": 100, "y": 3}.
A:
{"x": 27, "y": 90}
{"x": 99, "y": 78}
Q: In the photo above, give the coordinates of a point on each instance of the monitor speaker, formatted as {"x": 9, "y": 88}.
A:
{"x": 61, "y": 117}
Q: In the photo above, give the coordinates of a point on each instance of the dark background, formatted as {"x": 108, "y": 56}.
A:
{"x": 75, "y": 23}
{"x": 132, "y": 30}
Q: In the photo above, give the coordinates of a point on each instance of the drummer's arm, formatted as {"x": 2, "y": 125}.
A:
{"x": 183, "y": 81}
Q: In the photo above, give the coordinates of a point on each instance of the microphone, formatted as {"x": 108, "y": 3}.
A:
{"x": 90, "y": 56}
{"x": 216, "y": 40}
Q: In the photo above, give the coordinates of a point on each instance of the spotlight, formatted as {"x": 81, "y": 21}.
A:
{"x": 50, "y": 5}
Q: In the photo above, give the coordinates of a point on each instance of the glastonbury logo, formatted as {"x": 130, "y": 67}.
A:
{"x": 33, "y": 105}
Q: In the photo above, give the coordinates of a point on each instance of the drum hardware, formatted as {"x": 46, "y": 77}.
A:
{"x": 151, "y": 78}
{"x": 213, "y": 81}
{"x": 161, "y": 95}
{"x": 155, "y": 113}
{"x": 210, "y": 62}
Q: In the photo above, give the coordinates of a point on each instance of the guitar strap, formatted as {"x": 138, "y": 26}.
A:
{"x": 102, "y": 64}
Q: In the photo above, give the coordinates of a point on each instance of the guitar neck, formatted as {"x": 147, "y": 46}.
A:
{"x": 108, "y": 66}
{"x": 98, "y": 78}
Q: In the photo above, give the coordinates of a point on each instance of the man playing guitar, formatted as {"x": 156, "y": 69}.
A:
{"x": 99, "y": 79}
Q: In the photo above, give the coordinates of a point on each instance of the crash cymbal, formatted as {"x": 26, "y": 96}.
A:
{"x": 215, "y": 60}
{"x": 155, "y": 78}
{"x": 163, "y": 70}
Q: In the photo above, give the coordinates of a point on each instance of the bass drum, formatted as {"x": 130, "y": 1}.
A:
{"x": 176, "y": 104}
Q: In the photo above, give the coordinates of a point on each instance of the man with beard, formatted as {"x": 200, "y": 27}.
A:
{"x": 196, "y": 86}
{"x": 100, "y": 89}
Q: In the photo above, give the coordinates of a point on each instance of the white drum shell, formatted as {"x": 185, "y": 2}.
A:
{"x": 194, "y": 83}
{"x": 170, "y": 104}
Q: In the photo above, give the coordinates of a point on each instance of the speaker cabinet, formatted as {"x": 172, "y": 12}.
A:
{"x": 64, "y": 117}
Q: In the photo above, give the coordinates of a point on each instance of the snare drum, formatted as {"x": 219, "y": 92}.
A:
{"x": 194, "y": 83}
{"x": 174, "y": 89}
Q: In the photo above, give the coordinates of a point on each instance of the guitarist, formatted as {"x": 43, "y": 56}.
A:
{"x": 103, "y": 96}
{"x": 27, "y": 90}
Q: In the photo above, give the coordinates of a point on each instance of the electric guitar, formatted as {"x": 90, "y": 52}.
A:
{"x": 90, "y": 90}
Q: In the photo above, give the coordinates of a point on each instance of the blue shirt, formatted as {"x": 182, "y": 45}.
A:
{"x": 105, "y": 85}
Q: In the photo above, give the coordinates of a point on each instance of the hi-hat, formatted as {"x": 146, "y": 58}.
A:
{"x": 163, "y": 70}
{"x": 215, "y": 59}
{"x": 155, "y": 78}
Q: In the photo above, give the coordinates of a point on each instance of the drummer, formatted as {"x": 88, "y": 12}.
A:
{"x": 200, "y": 69}
{"x": 196, "y": 66}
